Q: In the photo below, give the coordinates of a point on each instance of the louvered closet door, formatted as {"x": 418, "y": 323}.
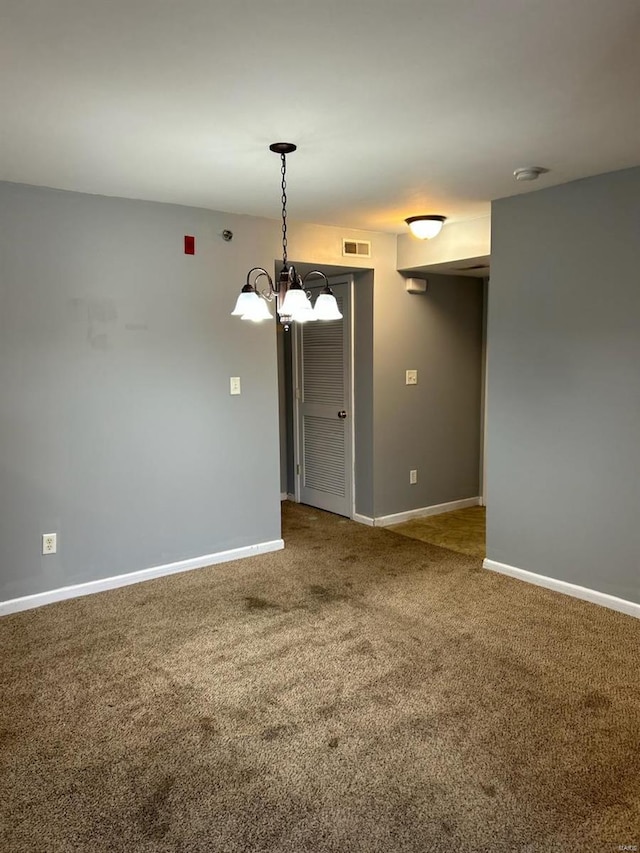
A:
{"x": 324, "y": 436}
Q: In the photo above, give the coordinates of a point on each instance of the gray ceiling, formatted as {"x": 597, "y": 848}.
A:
{"x": 398, "y": 107}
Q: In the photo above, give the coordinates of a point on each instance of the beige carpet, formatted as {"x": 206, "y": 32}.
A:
{"x": 462, "y": 530}
{"x": 359, "y": 692}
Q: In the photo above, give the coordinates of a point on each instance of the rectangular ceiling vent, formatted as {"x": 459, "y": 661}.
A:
{"x": 356, "y": 248}
{"x": 474, "y": 267}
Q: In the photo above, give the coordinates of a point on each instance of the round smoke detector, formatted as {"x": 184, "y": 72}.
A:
{"x": 529, "y": 173}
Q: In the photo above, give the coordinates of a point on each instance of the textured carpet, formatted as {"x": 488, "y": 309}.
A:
{"x": 462, "y": 530}
{"x": 359, "y": 692}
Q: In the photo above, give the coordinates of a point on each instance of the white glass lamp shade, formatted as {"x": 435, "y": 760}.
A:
{"x": 257, "y": 311}
{"x": 425, "y": 227}
{"x": 244, "y": 303}
{"x": 326, "y": 307}
{"x": 305, "y": 314}
{"x": 295, "y": 300}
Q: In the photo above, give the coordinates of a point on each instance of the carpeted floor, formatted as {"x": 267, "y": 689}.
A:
{"x": 462, "y": 530}
{"x": 359, "y": 692}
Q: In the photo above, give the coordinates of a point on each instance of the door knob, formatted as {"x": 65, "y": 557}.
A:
{"x": 342, "y": 415}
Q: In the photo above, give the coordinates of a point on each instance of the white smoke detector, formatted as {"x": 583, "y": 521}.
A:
{"x": 529, "y": 173}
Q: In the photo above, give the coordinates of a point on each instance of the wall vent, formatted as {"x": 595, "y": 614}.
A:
{"x": 356, "y": 248}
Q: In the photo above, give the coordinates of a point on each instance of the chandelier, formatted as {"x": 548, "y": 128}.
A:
{"x": 293, "y": 302}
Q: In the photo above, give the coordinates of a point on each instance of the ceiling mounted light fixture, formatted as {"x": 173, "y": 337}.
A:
{"x": 529, "y": 173}
{"x": 425, "y": 227}
{"x": 293, "y": 302}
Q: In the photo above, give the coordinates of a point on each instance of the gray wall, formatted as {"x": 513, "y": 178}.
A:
{"x": 458, "y": 244}
{"x": 563, "y": 462}
{"x": 434, "y": 426}
{"x": 363, "y": 391}
{"x": 483, "y": 388}
{"x": 117, "y": 430}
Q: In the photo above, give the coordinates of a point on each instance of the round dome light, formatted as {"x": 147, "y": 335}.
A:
{"x": 425, "y": 227}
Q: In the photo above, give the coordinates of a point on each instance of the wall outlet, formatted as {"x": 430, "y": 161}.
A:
{"x": 234, "y": 384}
{"x": 49, "y": 543}
{"x": 411, "y": 377}
{"x": 413, "y": 477}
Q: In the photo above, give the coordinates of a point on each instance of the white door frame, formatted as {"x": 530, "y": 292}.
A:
{"x": 297, "y": 379}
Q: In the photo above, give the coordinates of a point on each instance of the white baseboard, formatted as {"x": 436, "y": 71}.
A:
{"x": 283, "y": 496}
{"x": 28, "y": 602}
{"x": 602, "y": 598}
{"x": 423, "y": 512}
{"x": 363, "y": 519}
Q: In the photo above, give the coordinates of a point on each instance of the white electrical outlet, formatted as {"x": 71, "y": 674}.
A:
{"x": 411, "y": 377}
{"x": 49, "y": 543}
{"x": 413, "y": 477}
{"x": 234, "y": 384}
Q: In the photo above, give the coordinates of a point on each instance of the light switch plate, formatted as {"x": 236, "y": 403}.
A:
{"x": 412, "y": 377}
{"x": 234, "y": 384}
